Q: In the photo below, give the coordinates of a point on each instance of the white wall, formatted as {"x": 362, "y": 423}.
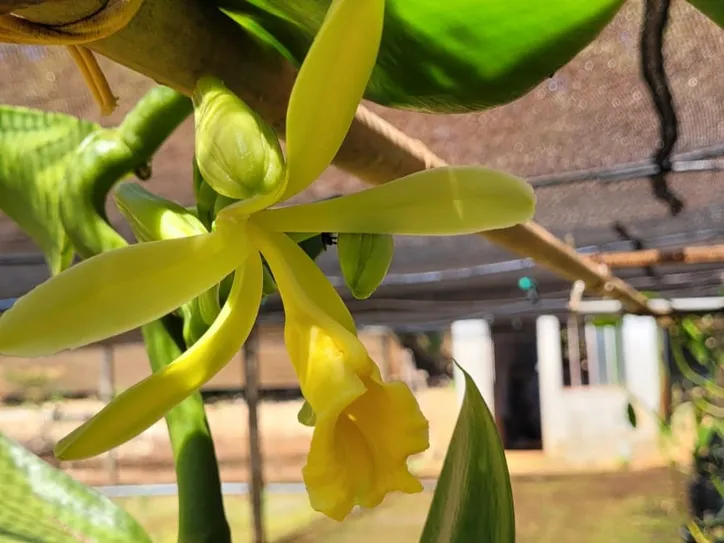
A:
{"x": 472, "y": 349}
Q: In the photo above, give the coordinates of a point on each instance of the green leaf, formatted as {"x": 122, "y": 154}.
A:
{"x": 714, "y": 9}
{"x": 35, "y": 149}
{"x": 606, "y": 320}
{"x": 631, "y": 415}
{"x": 454, "y": 56}
{"x": 40, "y": 504}
{"x": 473, "y": 500}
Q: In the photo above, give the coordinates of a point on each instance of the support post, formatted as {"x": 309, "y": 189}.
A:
{"x": 472, "y": 349}
{"x": 256, "y": 473}
{"x": 641, "y": 360}
{"x": 550, "y": 377}
{"x": 106, "y": 392}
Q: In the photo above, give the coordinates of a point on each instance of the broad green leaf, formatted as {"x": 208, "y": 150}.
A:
{"x": 453, "y": 56}
{"x": 714, "y": 9}
{"x": 41, "y": 504}
{"x": 473, "y": 499}
{"x": 35, "y": 149}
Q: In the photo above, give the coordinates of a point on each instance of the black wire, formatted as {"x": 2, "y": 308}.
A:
{"x": 639, "y": 245}
{"x": 656, "y": 17}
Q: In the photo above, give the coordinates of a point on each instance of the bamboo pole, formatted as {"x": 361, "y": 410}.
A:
{"x": 176, "y": 42}
{"x": 656, "y": 257}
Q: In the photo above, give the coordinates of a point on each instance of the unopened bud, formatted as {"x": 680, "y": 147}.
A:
{"x": 237, "y": 152}
{"x": 364, "y": 259}
{"x": 153, "y": 218}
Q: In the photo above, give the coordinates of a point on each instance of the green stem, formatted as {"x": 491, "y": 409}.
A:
{"x": 201, "y": 508}
{"x": 153, "y": 119}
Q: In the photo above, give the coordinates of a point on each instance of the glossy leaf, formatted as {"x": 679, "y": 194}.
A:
{"x": 35, "y": 148}
{"x": 41, "y": 504}
{"x": 473, "y": 499}
{"x": 453, "y": 56}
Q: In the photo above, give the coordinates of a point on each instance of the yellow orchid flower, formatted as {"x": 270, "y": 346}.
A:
{"x": 365, "y": 429}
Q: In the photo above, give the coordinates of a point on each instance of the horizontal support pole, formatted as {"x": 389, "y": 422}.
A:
{"x": 657, "y": 257}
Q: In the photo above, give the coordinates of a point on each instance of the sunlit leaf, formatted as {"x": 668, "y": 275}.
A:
{"x": 473, "y": 499}
{"x": 40, "y": 504}
{"x": 454, "y": 56}
{"x": 35, "y": 148}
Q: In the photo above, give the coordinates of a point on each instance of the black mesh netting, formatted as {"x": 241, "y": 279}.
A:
{"x": 589, "y": 138}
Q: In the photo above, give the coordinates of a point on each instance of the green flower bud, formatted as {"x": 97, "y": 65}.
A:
{"x": 364, "y": 259}
{"x": 306, "y": 415}
{"x": 153, "y": 218}
{"x": 237, "y": 152}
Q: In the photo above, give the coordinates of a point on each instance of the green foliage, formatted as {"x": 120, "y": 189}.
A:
{"x": 457, "y": 56}
{"x": 473, "y": 499}
{"x": 108, "y": 156}
{"x": 41, "y": 504}
{"x": 714, "y": 9}
{"x": 36, "y": 147}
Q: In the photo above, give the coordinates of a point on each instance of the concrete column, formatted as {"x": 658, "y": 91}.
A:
{"x": 550, "y": 379}
{"x": 472, "y": 348}
{"x": 642, "y": 360}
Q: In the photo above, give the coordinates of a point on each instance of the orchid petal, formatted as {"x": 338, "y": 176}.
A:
{"x": 116, "y": 292}
{"x": 329, "y": 87}
{"x": 302, "y": 285}
{"x": 145, "y": 403}
{"x": 443, "y": 201}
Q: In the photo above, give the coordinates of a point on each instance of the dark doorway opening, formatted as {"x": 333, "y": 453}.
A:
{"x": 517, "y": 391}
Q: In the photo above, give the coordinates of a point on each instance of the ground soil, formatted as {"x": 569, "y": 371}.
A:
{"x": 285, "y": 442}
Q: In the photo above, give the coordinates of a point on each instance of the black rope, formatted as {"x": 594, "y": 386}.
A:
{"x": 656, "y": 16}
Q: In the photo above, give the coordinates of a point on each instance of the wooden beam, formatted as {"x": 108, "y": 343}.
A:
{"x": 656, "y": 257}
{"x": 175, "y": 43}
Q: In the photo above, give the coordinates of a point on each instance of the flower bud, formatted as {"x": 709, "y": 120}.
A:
{"x": 364, "y": 259}
{"x": 237, "y": 152}
{"x": 153, "y": 218}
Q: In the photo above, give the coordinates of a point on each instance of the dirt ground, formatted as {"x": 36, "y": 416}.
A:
{"x": 285, "y": 442}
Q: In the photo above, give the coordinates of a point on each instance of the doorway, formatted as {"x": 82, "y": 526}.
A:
{"x": 517, "y": 397}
